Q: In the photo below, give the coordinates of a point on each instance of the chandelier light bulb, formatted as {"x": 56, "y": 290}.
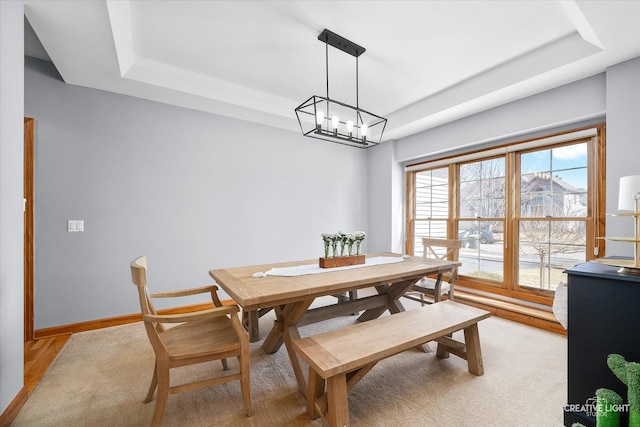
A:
{"x": 334, "y": 123}
{"x": 363, "y": 130}
{"x": 350, "y": 128}
{"x": 319, "y": 119}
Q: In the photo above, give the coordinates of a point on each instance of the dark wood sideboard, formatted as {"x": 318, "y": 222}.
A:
{"x": 604, "y": 318}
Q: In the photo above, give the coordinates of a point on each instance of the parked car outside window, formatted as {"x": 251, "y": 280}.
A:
{"x": 484, "y": 236}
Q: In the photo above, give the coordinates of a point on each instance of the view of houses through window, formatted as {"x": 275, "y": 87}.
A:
{"x": 553, "y": 213}
{"x": 523, "y": 216}
{"x": 482, "y": 216}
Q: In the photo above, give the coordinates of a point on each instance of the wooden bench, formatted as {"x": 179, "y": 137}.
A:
{"x": 342, "y": 357}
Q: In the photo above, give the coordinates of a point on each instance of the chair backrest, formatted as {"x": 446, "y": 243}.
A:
{"x": 442, "y": 249}
{"x": 139, "y": 271}
{"x": 139, "y": 278}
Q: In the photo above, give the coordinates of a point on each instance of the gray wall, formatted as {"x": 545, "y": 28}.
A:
{"x": 386, "y": 199}
{"x": 568, "y": 104}
{"x": 623, "y": 144}
{"x": 191, "y": 190}
{"x": 11, "y": 206}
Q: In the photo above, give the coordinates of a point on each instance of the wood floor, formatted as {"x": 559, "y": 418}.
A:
{"x": 38, "y": 356}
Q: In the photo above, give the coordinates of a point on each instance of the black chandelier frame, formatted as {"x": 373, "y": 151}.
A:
{"x": 365, "y": 130}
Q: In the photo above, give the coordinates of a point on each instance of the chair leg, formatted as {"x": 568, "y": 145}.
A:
{"x": 225, "y": 367}
{"x": 154, "y": 383}
{"x": 245, "y": 382}
{"x": 315, "y": 390}
{"x": 163, "y": 393}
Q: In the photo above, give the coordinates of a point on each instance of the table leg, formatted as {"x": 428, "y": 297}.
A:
{"x": 286, "y": 315}
{"x": 273, "y": 341}
{"x": 284, "y": 331}
{"x": 393, "y": 292}
{"x": 250, "y": 321}
{"x": 353, "y": 295}
{"x": 290, "y": 334}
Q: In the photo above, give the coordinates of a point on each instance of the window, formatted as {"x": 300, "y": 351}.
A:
{"x": 553, "y": 214}
{"x": 524, "y": 212}
{"x": 432, "y": 206}
{"x": 481, "y": 218}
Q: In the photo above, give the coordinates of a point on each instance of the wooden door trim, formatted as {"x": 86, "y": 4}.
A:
{"x": 28, "y": 227}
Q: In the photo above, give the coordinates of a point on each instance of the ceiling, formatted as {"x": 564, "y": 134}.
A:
{"x": 426, "y": 62}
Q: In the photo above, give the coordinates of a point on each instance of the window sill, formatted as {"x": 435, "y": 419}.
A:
{"x": 537, "y": 315}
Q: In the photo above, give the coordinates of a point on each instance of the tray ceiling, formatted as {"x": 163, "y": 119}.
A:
{"x": 426, "y": 63}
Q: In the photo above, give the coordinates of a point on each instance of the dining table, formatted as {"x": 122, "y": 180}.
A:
{"x": 291, "y": 287}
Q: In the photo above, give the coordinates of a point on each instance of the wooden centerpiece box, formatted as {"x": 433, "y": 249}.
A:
{"x": 341, "y": 261}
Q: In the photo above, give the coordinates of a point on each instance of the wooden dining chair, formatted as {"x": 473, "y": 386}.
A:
{"x": 438, "y": 249}
{"x": 199, "y": 336}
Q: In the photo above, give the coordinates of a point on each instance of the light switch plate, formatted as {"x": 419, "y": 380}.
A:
{"x": 75, "y": 225}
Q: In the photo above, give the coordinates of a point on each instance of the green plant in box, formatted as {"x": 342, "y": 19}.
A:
{"x": 608, "y": 408}
{"x": 629, "y": 374}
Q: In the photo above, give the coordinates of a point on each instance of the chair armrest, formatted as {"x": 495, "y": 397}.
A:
{"x": 195, "y": 315}
{"x": 185, "y": 292}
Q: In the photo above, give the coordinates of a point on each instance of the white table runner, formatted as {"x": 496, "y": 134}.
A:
{"x": 301, "y": 270}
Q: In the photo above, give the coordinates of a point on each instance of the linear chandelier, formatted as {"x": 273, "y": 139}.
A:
{"x": 324, "y": 118}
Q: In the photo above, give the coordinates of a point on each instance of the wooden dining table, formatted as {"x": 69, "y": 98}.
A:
{"x": 292, "y": 296}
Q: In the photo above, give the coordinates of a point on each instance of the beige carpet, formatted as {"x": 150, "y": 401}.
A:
{"x": 101, "y": 377}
